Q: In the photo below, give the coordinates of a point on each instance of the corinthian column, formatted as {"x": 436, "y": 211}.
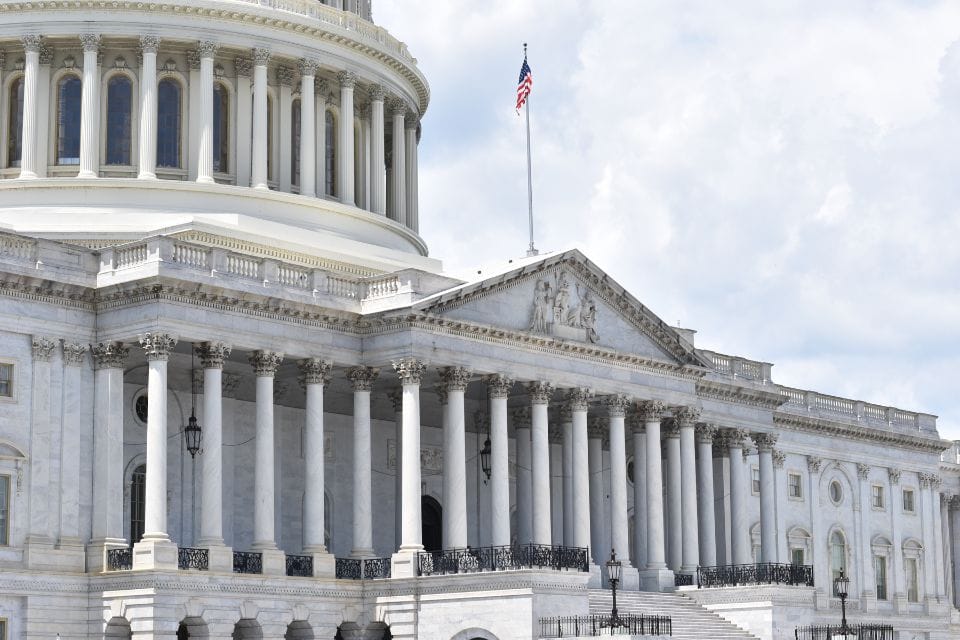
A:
{"x": 639, "y": 435}
{"x": 566, "y": 422}
{"x": 361, "y": 381}
{"x": 410, "y": 372}
{"x": 265, "y": 364}
{"x": 28, "y": 140}
{"x": 540, "y": 393}
{"x": 148, "y": 108}
{"x": 258, "y": 170}
{"x": 498, "y": 388}
{"x": 655, "y": 577}
{"x": 686, "y": 418}
{"x": 345, "y": 180}
{"x": 674, "y": 540}
{"x": 155, "y": 549}
{"x": 378, "y": 195}
{"x": 90, "y": 108}
{"x": 453, "y": 381}
{"x": 598, "y": 532}
{"x": 578, "y": 400}
{"x": 308, "y": 137}
{"x": 705, "y": 495}
{"x": 412, "y": 186}
{"x": 620, "y": 534}
{"x": 398, "y": 179}
{"x": 739, "y": 528}
{"x": 212, "y": 355}
{"x": 521, "y": 431}
{"x": 206, "y": 51}
{"x": 768, "y": 506}
{"x": 314, "y": 375}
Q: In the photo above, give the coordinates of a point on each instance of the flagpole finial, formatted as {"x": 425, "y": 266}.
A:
{"x": 524, "y": 49}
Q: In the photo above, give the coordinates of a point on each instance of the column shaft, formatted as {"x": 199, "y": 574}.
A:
{"x": 705, "y": 495}
{"x": 308, "y": 139}
{"x": 499, "y": 388}
{"x": 454, "y": 381}
{"x": 314, "y": 372}
{"x": 540, "y": 444}
{"x": 398, "y": 181}
{"x": 523, "y": 480}
{"x": 581, "y": 468}
{"x": 90, "y": 109}
{"x": 690, "y": 560}
{"x": 412, "y": 187}
{"x": 265, "y": 365}
{"x": 768, "y": 505}
{"x": 28, "y": 141}
{"x": 739, "y": 490}
{"x": 148, "y": 109}
{"x": 345, "y": 177}
{"x": 597, "y": 521}
{"x": 41, "y": 491}
{"x": 566, "y": 419}
{"x": 377, "y": 168}
{"x": 656, "y": 555}
{"x": 212, "y": 356}
{"x": 205, "y": 149}
{"x": 108, "y": 443}
{"x": 639, "y": 494}
{"x": 616, "y": 407}
{"x": 158, "y": 347}
{"x": 674, "y": 513}
{"x": 258, "y": 171}
{"x": 244, "y": 112}
{"x": 361, "y": 379}
{"x": 410, "y": 372}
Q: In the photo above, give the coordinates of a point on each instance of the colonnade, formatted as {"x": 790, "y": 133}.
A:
{"x": 372, "y": 181}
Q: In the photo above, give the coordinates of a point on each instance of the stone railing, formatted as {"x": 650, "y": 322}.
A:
{"x": 519, "y": 556}
{"x": 739, "y": 367}
{"x": 362, "y": 569}
{"x": 738, "y": 575}
{"x": 18, "y": 248}
{"x": 819, "y": 404}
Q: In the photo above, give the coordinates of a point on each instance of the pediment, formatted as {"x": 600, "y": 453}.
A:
{"x": 566, "y": 297}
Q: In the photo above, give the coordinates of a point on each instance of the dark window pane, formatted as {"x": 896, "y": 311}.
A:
{"x": 68, "y": 120}
{"x": 295, "y": 143}
{"x": 269, "y": 139}
{"x": 138, "y": 490}
{"x": 15, "y": 124}
{"x": 168, "y": 124}
{"x": 119, "y": 103}
{"x": 221, "y": 129}
{"x": 330, "y": 154}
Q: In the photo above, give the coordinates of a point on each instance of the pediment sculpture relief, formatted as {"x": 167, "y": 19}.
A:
{"x": 558, "y": 312}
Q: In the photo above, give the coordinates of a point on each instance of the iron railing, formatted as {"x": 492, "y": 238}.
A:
{"x": 193, "y": 558}
{"x": 762, "y": 573}
{"x": 857, "y": 631}
{"x": 520, "y": 556}
{"x": 363, "y": 569}
{"x": 120, "y": 559}
{"x": 595, "y": 625}
{"x": 300, "y": 566}
{"x": 683, "y": 579}
{"x": 247, "y": 562}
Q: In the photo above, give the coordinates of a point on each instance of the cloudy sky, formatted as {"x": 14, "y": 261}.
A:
{"x": 780, "y": 176}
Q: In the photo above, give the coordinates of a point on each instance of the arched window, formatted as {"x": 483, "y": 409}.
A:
{"x": 169, "y": 123}
{"x": 330, "y": 154}
{"x": 68, "y": 120}
{"x": 221, "y": 129}
{"x": 838, "y": 556}
{"x": 15, "y": 123}
{"x": 138, "y": 489}
{"x": 295, "y": 143}
{"x": 119, "y": 107}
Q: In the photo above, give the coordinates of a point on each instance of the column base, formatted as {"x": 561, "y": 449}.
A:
{"x": 596, "y": 577}
{"x": 900, "y": 603}
{"x": 660, "y": 580}
{"x": 403, "y": 564}
{"x": 155, "y": 553}
{"x": 220, "y": 557}
{"x": 629, "y": 578}
{"x": 324, "y": 565}
{"x": 96, "y": 553}
{"x": 40, "y": 554}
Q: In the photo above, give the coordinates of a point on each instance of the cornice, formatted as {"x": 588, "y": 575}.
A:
{"x": 737, "y": 394}
{"x": 47, "y": 291}
{"x": 854, "y": 432}
{"x": 250, "y": 14}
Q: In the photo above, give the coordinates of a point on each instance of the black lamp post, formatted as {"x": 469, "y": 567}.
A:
{"x": 485, "y": 459}
{"x": 614, "y": 568}
{"x": 840, "y": 587}
{"x": 192, "y": 433}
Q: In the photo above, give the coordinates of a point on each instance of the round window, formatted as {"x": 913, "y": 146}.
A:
{"x": 836, "y": 492}
{"x": 140, "y": 407}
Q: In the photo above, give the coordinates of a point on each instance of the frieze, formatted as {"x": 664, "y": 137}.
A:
{"x": 556, "y": 312}
{"x": 839, "y": 429}
{"x": 730, "y": 393}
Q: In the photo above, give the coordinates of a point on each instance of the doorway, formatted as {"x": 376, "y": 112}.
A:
{"x": 432, "y": 524}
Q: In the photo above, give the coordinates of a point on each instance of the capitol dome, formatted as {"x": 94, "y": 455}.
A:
{"x": 286, "y": 128}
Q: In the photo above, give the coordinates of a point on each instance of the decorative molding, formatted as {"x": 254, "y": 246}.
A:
{"x": 686, "y": 417}
{"x": 207, "y": 48}
{"x": 31, "y": 43}
{"x": 893, "y": 474}
{"x": 822, "y": 426}
{"x": 454, "y": 378}
{"x": 636, "y": 422}
{"x": 650, "y": 410}
{"x": 736, "y": 438}
{"x": 814, "y": 463}
{"x": 596, "y": 428}
{"x": 579, "y": 398}
{"x": 42, "y": 348}
{"x": 617, "y": 405}
{"x": 74, "y": 353}
{"x": 540, "y": 392}
{"x": 705, "y": 433}
{"x": 314, "y": 371}
{"x": 498, "y": 385}
{"x": 521, "y": 418}
{"x": 764, "y": 441}
{"x": 212, "y": 354}
{"x": 46, "y": 54}
{"x": 265, "y": 363}
{"x": 409, "y": 370}
{"x": 362, "y": 378}
{"x": 735, "y": 394}
{"x": 109, "y": 355}
{"x": 261, "y": 57}
{"x": 565, "y": 412}
{"x": 149, "y": 44}
{"x": 779, "y": 458}
{"x": 308, "y": 66}
{"x": 284, "y": 76}
{"x": 90, "y": 42}
{"x": 157, "y": 346}
{"x": 347, "y": 79}
{"x": 553, "y": 310}
{"x": 863, "y": 470}
{"x": 377, "y": 93}
{"x": 670, "y": 428}
{"x": 193, "y": 60}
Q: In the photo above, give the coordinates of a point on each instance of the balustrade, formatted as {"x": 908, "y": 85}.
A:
{"x": 247, "y": 562}
{"x": 750, "y": 574}
{"x": 600, "y": 625}
{"x": 193, "y": 558}
{"x": 300, "y": 566}
{"x": 521, "y": 556}
{"x": 190, "y": 255}
{"x": 120, "y": 559}
{"x": 363, "y": 569}
{"x": 858, "y": 631}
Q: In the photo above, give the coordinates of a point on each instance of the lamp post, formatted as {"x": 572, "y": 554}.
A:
{"x": 840, "y": 587}
{"x": 485, "y": 459}
{"x": 614, "y": 568}
{"x": 192, "y": 432}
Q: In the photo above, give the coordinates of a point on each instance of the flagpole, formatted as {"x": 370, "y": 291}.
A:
{"x": 532, "y": 250}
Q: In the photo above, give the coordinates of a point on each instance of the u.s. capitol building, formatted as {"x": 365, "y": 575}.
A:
{"x": 239, "y": 400}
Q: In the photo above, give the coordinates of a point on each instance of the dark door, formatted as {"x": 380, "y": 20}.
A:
{"x": 432, "y": 516}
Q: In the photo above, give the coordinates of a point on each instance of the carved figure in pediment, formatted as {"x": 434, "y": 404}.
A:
{"x": 541, "y": 305}
{"x": 560, "y": 314}
{"x": 561, "y": 303}
{"x": 588, "y": 314}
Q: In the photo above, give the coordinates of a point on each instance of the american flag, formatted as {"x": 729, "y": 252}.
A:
{"x": 525, "y": 84}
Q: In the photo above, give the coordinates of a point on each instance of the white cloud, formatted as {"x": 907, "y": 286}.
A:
{"x": 780, "y": 176}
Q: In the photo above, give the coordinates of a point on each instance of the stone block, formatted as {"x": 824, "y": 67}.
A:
{"x": 154, "y": 554}
{"x": 657, "y": 580}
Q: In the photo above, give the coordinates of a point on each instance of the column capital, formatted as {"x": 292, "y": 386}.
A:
{"x": 149, "y": 44}
{"x": 90, "y": 42}
{"x": 157, "y": 346}
{"x": 617, "y": 405}
{"x": 362, "y": 378}
{"x": 670, "y": 428}
{"x": 314, "y": 371}
{"x": 243, "y": 66}
{"x": 929, "y": 480}
{"x": 686, "y": 417}
{"x": 46, "y": 54}
{"x": 212, "y": 354}
{"x": 555, "y": 434}
{"x": 650, "y": 410}
{"x": 109, "y": 355}
{"x": 260, "y": 56}
{"x": 285, "y": 76}
{"x": 42, "y": 348}
{"x": 207, "y": 48}
{"x": 442, "y": 395}
{"x": 596, "y": 428}
{"x": 521, "y": 418}
{"x": 409, "y": 370}
{"x": 307, "y": 66}
{"x": 229, "y": 383}
{"x": 265, "y": 363}
{"x": 321, "y": 88}
{"x": 815, "y": 462}
{"x": 398, "y": 107}
{"x": 31, "y": 43}
{"x": 377, "y": 93}
{"x": 579, "y": 398}
{"x": 706, "y": 432}
{"x": 955, "y": 502}
{"x": 74, "y": 353}
{"x": 498, "y": 385}
{"x": 347, "y": 79}
{"x": 411, "y": 120}
{"x": 779, "y": 458}
{"x": 736, "y": 438}
{"x": 540, "y": 392}
{"x": 764, "y": 441}
{"x": 454, "y": 378}
{"x": 481, "y": 421}
{"x": 863, "y": 470}
{"x": 396, "y": 399}
{"x": 636, "y": 421}
{"x": 893, "y": 474}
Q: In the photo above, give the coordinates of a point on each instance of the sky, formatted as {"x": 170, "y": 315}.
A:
{"x": 781, "y": 177}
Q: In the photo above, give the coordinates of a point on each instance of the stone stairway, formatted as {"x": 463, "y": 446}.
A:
{"x": 690, "y": 620}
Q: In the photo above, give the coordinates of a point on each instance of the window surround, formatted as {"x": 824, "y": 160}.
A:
{"x": 882, "y": 495}
{"x": 12, "y": 459}
{"x": 880, "y": 547}
{"x": 5, "y": 124}
{"x": 845, "y": 559}
{"x": 14, "y": 371}
{"x": 230, "y": 175}
{"x": 755, "y": 480}
{"x": 169, "y": 71}
{"x": 913, "y": 551}
{"x": 6, "y": 502}
{"x": 105, "y": 78}
{"x": 836, "y": 500}
{"x": 55, "y": 168}
{"x": 798, "y": 539}
{"x": 795, "y": 474}
{"x": 913, "y": 499}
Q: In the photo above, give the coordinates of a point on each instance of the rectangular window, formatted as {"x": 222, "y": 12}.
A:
{"x": 878, "y": 498}
{"x": 6, "y": 380}
{"x": 908, "y": 500}
{"x": 880, "y": 571}
{"x": 755, "y": 476}
{"x": 4, "y": 513}
{"x": 794, "y": 485}
{"x": 796, "y": 557}
{"x": 910, "y": 569}
{"x": 3, "y": 629}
